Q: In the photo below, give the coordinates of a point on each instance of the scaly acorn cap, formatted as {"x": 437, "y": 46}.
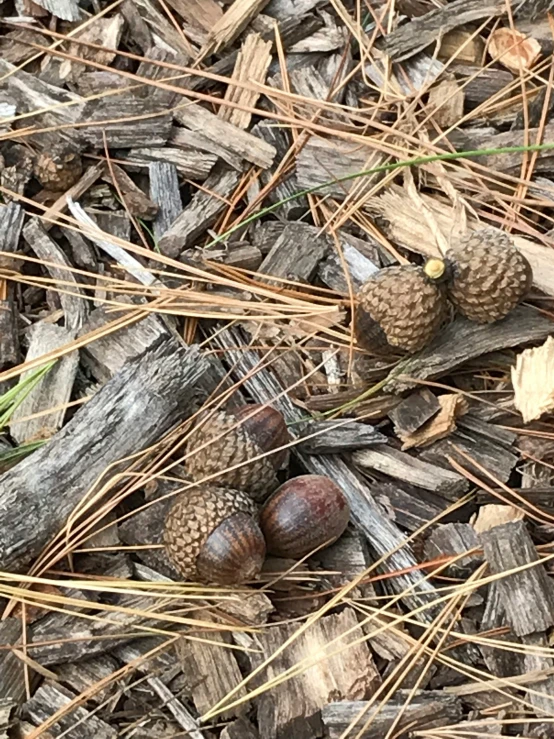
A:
{"x": 242, "y": 439}
{"x": 211, "y": 535}
{"x": 489, "y": 275}
{"x": 401, "y": 307}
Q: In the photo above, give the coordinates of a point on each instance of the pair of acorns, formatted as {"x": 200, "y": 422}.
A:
{"x": 403, "y": 307}
{"x": 220, "y": 532}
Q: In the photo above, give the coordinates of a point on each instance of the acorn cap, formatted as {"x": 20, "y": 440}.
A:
{"x": 401, "y": 306}
{"x": 226, "y": 520}
{"x": 489, "y": 276}
{"x": 241, "y": 440}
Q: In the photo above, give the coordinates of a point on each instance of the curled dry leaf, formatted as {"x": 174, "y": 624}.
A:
{"x": 513, "y": 49}
{"x": 533, "y": 381}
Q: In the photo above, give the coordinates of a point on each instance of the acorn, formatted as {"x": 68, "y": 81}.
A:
{"x": 401, "y": 307}
{"x": 254, "y": 435}
{"x": 211, "y": 535}
{"x": 489, "y": 275}
{"x": 59, "y": 167}
{"x": 305, "y": 513}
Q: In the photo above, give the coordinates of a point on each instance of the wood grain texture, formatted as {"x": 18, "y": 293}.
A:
{"x": 148, "y": 397}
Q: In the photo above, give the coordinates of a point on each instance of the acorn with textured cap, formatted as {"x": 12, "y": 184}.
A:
{"x": 488, "y": 276}
{"x": 211, "y": 535}
{"x": 224, "y": 440}
{"x": 401, "y": 307}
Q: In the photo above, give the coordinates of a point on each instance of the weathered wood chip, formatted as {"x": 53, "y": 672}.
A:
{"x": 533, "y": 381}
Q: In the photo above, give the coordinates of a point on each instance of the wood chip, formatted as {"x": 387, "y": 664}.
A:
{"x": 515, "y": 50}
{"x": 442, "y": 425}
{"x": 528, "y": 595}
{"x": 53, "y": 391}
{"x": 232, "y": 24}
{"x": 397, "y": 464}
{"x": 414, "y": 36}
{"x": 533, "y": 381}
{"x": 296, "y": 705}
{"x": 427, "y": 710}
{"x": 251, "y": 67}
{"x": 143, "y": 401}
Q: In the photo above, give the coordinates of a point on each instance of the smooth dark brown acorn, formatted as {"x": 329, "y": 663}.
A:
{"x": 305, "y": 513}
{"x": 401, "y": 307}
{"x": 255, "y": 434}
{"x": 211, "y": 535}
{"x": 489, "y": 275}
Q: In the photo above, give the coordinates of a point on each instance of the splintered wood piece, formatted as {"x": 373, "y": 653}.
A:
{"x": 493, "y": 515}
{"x": 353, "y": 256}
{"x": 110, "y": 631}
{"x": 528, "y": 595}
{"x": 50, "y": 698}
{"x": 287, "y": 184}
{"x": 202, "y": 13}
{"x": 297, "y": 253}
{"x": 107, "y": 354}
{"x": 427, "y": 710}
{"x": 95, "y": 234}
{"x": 241, "y": 143}
{"x": 165, "y": 193}
{"x": 202, "y": 211}
{"x": 321, "y": 161}
{"x": 232, "y": 24}
{"x": 12, "y": 675}
{"x": 402, "y": 466}
{"x": 82, "y": 675}
{"x": 335, "y": 437}
{"x": 414, "y": 36}
{"x": 11, "y": 224}
{"x": 476, "y": 440}
{"x": 415, "y": 410}
{"x": 132, "y": 653}
{"x": 533, "y": 381}
{"x": 442, "y": 425}
{"x": 52, "y": 392}
{"x": 126, "y": 122}
{"x": 219, "y": 670}
{"x": 30, "y": 93}
{"x": 409, "y": 507}
{"x": 137, "y": 202}
{"x": 74, "y": 305}
{"x": 292, "y": 29}
{"x": 382, "y": 535}
{"x": 67, "y": 10}
{"x": 251, "y": 66}
{"x": 195, "y": 141}
{"x": 447, "y": 102}
{"x": 295, "y": 706}
{"x": 191, "y": 163}
{"x": 463, "y": 46}
{"x": 147, "y": 398}
{"x": 464, "y": 340}
{"x": 451, "y": 539}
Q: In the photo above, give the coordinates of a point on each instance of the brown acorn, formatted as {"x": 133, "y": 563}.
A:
{"x": 489, "y": 275}
{"x": 58, "y": 168}
{"x": 303, "y": 514}
{"x": 401, "y": 307}
{"x": 211, "y": 535}
{"x": 254, "y": 435}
